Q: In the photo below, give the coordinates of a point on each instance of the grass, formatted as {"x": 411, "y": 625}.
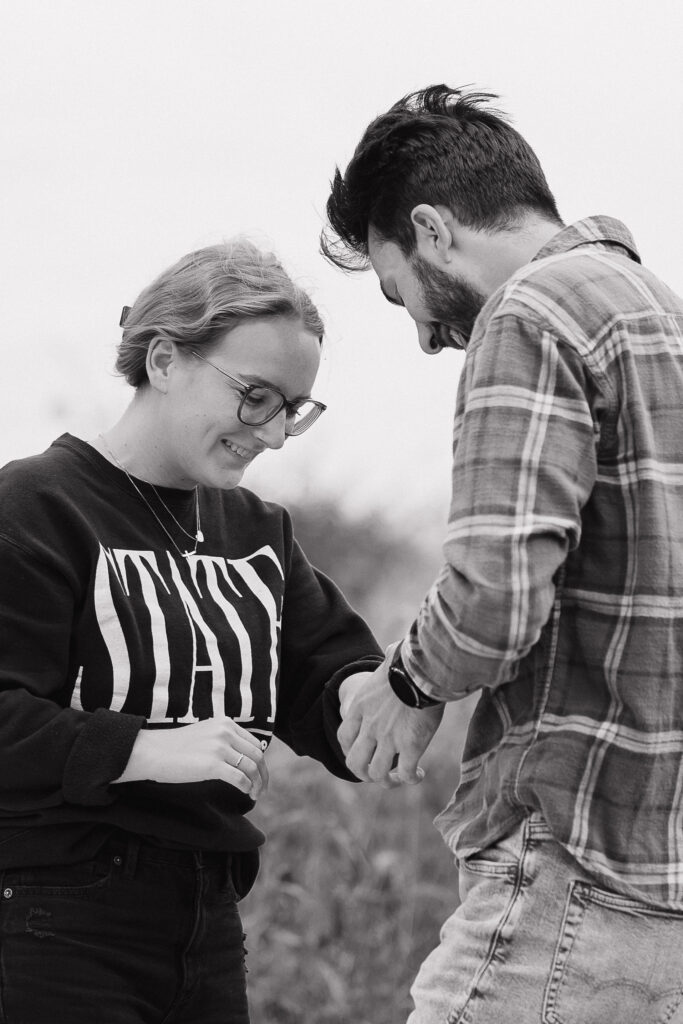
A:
{"x": 355, "y": 880}
{"x": 354, "y": 886}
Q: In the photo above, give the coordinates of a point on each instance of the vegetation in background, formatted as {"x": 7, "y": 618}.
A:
{"x": 355, "y": 879}
{"x": 384, "y": 573}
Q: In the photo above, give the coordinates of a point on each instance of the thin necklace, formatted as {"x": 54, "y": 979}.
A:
{"x": 198, "y": 537}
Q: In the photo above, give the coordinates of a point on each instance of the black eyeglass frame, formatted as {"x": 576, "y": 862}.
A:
{"x": 290, "y": 408}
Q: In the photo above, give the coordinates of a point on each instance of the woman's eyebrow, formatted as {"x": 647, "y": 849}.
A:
{"x": 254, "y": 378}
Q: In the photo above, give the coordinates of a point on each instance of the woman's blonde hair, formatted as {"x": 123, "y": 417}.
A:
{"x": 205, "y": 294}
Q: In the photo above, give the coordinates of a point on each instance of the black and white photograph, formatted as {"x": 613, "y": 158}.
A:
{"x": 341, "y": 512}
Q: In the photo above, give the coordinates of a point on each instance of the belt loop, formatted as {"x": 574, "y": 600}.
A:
{"x": 132, "y": 852}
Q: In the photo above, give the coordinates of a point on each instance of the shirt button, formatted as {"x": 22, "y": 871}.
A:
{"x": 118, "y": 860}
{"x": 8, "y": 893}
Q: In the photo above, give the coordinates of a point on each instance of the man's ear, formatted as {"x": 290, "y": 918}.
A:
{"x": 161, "y": 356}
{"x": 433, "y": 233}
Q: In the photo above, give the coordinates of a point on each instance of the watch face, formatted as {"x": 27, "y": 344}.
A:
{"x": 406, "y": 690}
{"x": 402, "y": 686}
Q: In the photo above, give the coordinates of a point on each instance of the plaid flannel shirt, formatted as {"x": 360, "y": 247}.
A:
{"x": 561, "y": 596}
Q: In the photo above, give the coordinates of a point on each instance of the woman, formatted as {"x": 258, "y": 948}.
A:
{"x": 158, "y": 624}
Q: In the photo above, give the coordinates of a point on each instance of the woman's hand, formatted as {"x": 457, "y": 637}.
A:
{"x": 349, "y": 689}
{"x": 383, "y": 739}
{"x": 217, "y": 748}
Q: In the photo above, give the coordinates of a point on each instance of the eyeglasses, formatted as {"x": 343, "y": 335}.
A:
{"x": 261, "y": 403}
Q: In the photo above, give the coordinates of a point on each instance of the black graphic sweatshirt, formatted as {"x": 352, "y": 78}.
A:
{"x": 105, "y": 628}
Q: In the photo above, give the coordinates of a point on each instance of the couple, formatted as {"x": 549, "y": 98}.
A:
{"x": 160, "y": 623}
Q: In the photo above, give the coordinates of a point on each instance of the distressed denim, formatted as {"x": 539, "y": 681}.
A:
{"x": 536, "y": 941}
{"x": 139, "y": 935}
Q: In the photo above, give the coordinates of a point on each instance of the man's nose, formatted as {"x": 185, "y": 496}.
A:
{"x": 429, "y": 343}
{"x": 272, "y": 433}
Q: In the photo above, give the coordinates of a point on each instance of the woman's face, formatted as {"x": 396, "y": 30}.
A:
{"x": 202, "y": 440}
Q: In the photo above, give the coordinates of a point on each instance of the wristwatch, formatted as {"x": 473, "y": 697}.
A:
{"x": 404, "y": 687}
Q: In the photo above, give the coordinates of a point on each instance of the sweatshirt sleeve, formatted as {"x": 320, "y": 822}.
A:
{"x": 50, "y": 753}
{"x": 323, "y": 641}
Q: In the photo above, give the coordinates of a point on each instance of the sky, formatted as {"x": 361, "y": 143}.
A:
{"x": 133, "y": 132}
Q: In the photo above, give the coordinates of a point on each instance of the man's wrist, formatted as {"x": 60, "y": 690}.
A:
{"x": 407, "y": 691}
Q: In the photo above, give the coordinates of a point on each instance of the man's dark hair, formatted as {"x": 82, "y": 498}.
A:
{"x": 438, "y": 146}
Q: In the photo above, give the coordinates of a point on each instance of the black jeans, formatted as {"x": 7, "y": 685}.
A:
{"x": 139, "y": 935}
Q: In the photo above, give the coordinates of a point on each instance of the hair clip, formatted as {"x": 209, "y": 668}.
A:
{"x": 124, "y": 315}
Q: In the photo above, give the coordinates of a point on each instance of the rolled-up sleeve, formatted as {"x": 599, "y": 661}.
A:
{"x": 524, "y": 464}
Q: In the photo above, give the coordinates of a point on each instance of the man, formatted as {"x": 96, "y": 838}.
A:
{"x": 561, "y": 595}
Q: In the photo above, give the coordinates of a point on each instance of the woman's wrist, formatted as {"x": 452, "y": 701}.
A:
{"x": 145, "y": 754}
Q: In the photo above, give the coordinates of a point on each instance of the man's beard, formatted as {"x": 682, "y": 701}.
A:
{"x": 453, "y": 304}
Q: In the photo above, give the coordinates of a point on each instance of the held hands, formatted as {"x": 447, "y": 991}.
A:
{"x": 217, "y": 748}
{"x": 383, "y": 739}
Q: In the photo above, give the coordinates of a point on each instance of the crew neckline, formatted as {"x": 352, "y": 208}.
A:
{"x": 119, "y": 476}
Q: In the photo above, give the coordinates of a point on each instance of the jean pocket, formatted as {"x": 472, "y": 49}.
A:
{"x": 616, "y": 960}
{"x": 85, "y": 878}
{"x": 493, "y": 863}
{"x": 244, "y": 867}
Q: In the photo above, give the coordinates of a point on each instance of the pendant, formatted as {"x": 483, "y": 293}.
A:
{"x": 200, "y": 537}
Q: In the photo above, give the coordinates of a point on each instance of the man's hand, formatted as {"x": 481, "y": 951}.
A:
{"x": 377, "y": 728}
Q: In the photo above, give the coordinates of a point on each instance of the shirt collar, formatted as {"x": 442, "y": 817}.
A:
{"x": 601, "y": 230}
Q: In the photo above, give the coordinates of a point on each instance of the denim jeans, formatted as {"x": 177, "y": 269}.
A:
{"x": 139, "y": 935}
{"x": 536, "y": 941}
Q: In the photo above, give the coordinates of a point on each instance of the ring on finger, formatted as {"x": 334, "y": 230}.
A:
{"x": 238, "y": 762}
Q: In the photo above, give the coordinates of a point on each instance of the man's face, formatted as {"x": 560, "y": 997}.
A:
{"x": 443, "y": 305}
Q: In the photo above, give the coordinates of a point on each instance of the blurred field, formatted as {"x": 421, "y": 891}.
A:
{"x": 355, "y": 883}
{"x": 355, "y": 879}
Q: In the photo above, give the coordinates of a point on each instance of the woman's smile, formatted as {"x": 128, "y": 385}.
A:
{"x": 241, "y": 453}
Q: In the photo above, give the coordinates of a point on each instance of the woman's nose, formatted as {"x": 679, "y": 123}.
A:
{"x": 272, "y": 433}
